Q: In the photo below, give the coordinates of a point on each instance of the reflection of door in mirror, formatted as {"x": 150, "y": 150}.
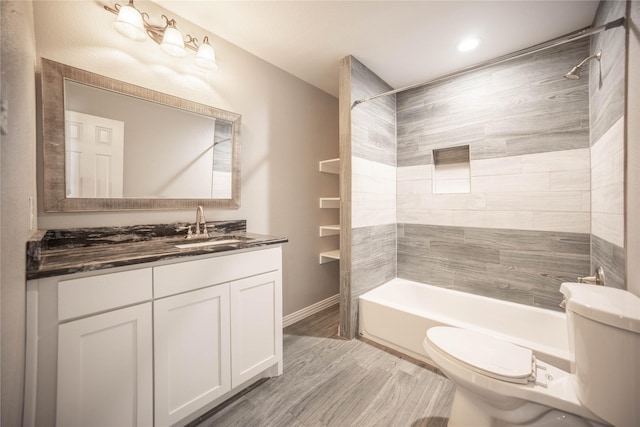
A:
{"x": 94, "y": 149}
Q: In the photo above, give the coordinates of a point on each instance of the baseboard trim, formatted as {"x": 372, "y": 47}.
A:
{"x": 292, "y": 318}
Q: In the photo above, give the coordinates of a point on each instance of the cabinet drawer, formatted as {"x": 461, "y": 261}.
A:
{"x": 186, "y": 276}
{"x": 88, "y": 295}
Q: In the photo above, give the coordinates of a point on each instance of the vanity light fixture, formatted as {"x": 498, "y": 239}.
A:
{"x": 134, "y": 24}
{"x": 130, "y": 22}
{"x": 172, "y": 41}
{"x": 206, "y": 56}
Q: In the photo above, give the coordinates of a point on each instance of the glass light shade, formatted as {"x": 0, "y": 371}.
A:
{"x": 129, "y": 23}
{"x": 173, "y": 43}
{"x": 206, "y": 57}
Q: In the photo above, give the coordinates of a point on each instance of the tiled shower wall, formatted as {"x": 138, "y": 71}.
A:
{"x": 606, "y": 99}
{"x": 545, "y": 202}
{"x": 524, "y": 226}
{"x": 373, "y": 183}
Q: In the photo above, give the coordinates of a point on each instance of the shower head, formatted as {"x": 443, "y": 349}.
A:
{"x": 575, "y": 72}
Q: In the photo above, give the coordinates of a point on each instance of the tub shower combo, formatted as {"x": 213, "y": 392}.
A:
{"x": 515, "y": 364}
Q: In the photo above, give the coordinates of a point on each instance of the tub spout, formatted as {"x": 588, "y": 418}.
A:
{"x": 596, "y": 279}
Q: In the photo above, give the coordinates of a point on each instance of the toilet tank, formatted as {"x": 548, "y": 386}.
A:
{"x": 604, "y": 334}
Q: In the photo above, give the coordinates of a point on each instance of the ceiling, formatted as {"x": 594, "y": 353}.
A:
{"x": 404, "y": 42}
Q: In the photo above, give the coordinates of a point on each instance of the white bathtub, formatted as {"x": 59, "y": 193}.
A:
{"x": 399, "y": 313}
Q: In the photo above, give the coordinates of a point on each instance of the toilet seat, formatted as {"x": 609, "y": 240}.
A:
{"x": 484, "y": 354}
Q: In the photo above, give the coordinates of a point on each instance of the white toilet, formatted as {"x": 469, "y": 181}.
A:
{"x": 502, "y": 384}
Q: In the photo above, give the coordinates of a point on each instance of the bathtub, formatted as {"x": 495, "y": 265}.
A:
{"x": 398, "y": 313}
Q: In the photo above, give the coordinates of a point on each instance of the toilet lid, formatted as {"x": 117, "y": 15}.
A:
{"x": 484, "y": 354}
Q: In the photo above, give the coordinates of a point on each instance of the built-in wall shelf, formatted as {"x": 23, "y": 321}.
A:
{"x": 330, "y": 166}
{"x": 329, "y": 256}
{"x": 330, "y": 202}
{"x": 329, "y": 230}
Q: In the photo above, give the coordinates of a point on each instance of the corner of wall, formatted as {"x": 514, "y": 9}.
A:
{"x": 632, "y": 213}
{"x": 18, "y": 184}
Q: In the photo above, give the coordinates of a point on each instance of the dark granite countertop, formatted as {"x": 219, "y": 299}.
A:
{"x": 58, "y": 252}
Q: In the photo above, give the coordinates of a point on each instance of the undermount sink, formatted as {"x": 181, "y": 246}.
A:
{"x": 220, "y": 240}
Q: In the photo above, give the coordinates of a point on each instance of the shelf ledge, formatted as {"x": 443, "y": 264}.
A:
{"x": 329, "y": 230}
{"x": 329, "y": 256}
{"x": 330, "y": 166}
{"x": 330, "y": 202}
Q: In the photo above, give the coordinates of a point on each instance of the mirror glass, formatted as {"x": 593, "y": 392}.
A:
{"x": 127, "y": 147}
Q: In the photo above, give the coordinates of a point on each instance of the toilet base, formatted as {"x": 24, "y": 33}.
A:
{"x": 469, "y": 411}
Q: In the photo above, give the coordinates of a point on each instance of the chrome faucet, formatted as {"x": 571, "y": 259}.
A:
{"x": 596, "y": 279}
{"x": 199, "y": 220}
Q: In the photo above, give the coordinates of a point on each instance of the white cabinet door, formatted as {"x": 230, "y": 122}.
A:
{"x": 105, "y": 369}
{"x": 256, "y": 325}
{"x": 192, "y": 356}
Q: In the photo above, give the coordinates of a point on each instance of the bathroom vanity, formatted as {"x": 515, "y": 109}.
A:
{"x": 147, "y": 333}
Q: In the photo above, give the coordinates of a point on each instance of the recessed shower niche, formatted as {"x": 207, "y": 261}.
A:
{"x": 451, "y": 170}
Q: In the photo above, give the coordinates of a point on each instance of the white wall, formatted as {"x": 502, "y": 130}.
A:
{"x": 18, "y": 184}
{"x": 287, "y": 127}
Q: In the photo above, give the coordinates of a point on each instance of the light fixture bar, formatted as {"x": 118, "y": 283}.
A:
{"x": 173, "y": 44}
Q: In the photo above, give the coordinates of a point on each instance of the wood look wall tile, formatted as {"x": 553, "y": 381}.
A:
{"x": 563, "y": 140}
{"x": 414, "y": 173}
{"x": 373, "y": 123}
{"x": 488, "y": 149}
{"x": 514, "y": 219}
{"x": 610, "y": 143}
{"x": 470, "y": 253}
{"x": 496, "y": 166}
{"x": 546, "y": 263}
{"x": 607, "y": 194}
{"x": 560, "y": 201}
{"x": 548, "y": 298}
{"x": 521, "y": 107}
{"x": 374, "y": 217}
{"x": 413, "y": 153}
{"x": 433, "y": 232}
{"x": 507, "y": 239}
{"x": 572, "y": 222}
{"x": 610, "y": 257}
{"x": 608, "y": 199}
{"x": 480, "y": 286}
{"x": 609, "y": 227}
{"x": 570, "y": 180}
{"x": 515, "y": 265}
{"x": 373, "y": 257}
{"x": 509, "y": 183}
{"x": 606, "y": 89}
{"x": 455, "y": 135}
{"x": 411, "y": 201}
{"x": 468, "y": 202}
{"x": 436, "y": 217}
{"x": 557, "y": 161}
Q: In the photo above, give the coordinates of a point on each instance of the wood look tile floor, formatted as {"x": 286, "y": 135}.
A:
{"x": 329, "y": 381}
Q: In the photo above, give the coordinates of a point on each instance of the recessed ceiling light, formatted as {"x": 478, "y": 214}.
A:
{"x": 468, "y": 44}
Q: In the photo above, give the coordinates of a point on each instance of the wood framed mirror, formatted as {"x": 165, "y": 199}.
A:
{"x": 110, "y": 145}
